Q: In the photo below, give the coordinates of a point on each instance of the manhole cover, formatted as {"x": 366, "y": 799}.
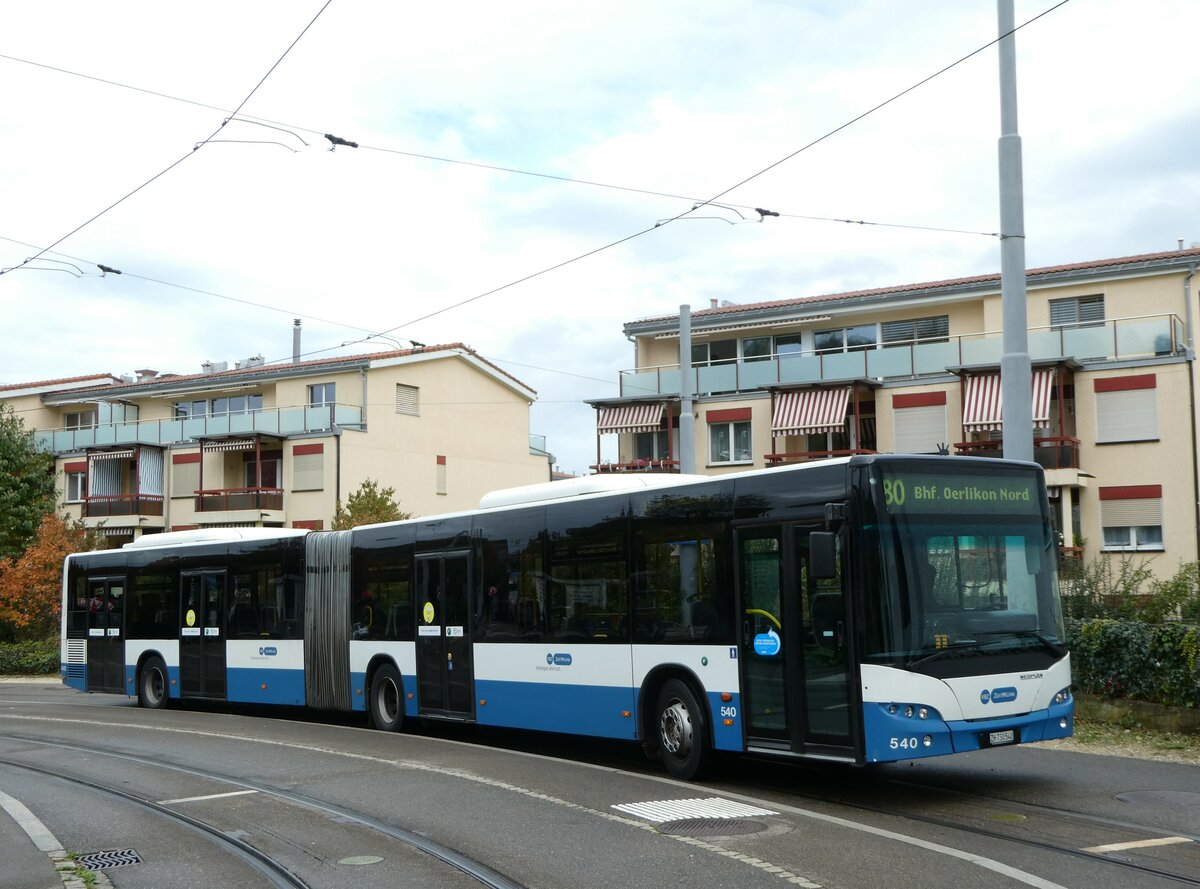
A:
{"x": 712, "y": 827}
{"x": 103, "y": 860}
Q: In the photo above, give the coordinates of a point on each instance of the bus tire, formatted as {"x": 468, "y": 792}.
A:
{"x": 153, "y": 684}
{"x": 386, "y": 701}
{"x": 683, "y": 743}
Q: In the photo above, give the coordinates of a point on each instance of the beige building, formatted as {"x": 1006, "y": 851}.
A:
{"x": 278, "y": 445}
{"x": 915, "y": 369}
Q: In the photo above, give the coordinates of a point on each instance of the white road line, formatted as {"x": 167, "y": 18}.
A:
{"x": 28, "y": 822}
{"x": 1137, "y": 844}
{"x": 197, "y": 799}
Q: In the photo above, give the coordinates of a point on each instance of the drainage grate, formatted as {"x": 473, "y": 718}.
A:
{"x": 103, "y": 860}
{"x": 664, "y": 810}
{"x": 712, "y": 827}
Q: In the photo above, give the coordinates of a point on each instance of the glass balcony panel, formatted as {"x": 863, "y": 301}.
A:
{"x": 894, "y": 361}
{"x": 844, "y": 365}
{"x": 169, "y": 431}
{"x": 933, "y": 358}
{"x": 101, "y": 435}
{"x": 721, "y": 378}
{"x": 194, "y": 427}
{"x": 757, "y": 375}
{"x": 799, "y": 369}
{"x": 1088, "y": 342}
{"x": 1045, "y": 344}
{"x": 241, "y": 423}
{"x": 273, "y": 422}
{"x": 982, "y": 350}
{"x": 1143, "y": 338}
{"x": 635, "y": 384}
{"x": 291, "y": 418}
{"x": 350, "y": 415}
{"x": 218, "y": 425}
{"x": 318, "y": 417}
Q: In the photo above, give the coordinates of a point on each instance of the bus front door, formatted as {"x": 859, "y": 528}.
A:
{"x": 106, "y": 641}
{"x": 796, "y": 691}
{"x": 202, "y": 634}
{"x": 444, "y": 684}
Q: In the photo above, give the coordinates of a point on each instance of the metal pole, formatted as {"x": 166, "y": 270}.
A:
{"x": 687, "y": 425}
{"x": 1015, "y": 375}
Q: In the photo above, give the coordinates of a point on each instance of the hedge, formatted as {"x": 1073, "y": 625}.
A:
{"x": 1158, "y": 663}
{"x": 35, "y": 658}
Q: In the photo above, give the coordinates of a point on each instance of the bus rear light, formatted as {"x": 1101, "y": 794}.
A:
{"x": 727, "y": 721}
{"x": 410, "y": 695}
{"x": 626, "y": 713}
{"x": 483, "y": 702}
{"x": 263, "y": 686}
{"x": 726, "y": 697}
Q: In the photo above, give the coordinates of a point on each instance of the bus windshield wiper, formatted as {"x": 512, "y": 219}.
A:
{"x": 957, "y": 650}
{"x": 1050, "y": 644}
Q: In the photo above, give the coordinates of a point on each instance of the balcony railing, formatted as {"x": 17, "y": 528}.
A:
{"x": 1125, "y": 338}
{"x": 234, "y": 499}
{"x": 106, "y": 506}
{"x": 637, "y": 466}
{"x": 1049, "y": 451}
{"x": 274, "y": 421}
{"x": 805, "y": 456}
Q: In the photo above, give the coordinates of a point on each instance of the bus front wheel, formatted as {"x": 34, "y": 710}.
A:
{"x": 386, "y": 702}
{"x": 682, "y": 731}
{"x": 153, "y": 684}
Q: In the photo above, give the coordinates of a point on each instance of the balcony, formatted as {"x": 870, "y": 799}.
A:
{"x": 805, "y": 456}
{"x": 1049, "y": 451}
{"x": 1147, "y": 336}
{"x": 636, "y": 466}
{"x": 104, "y": 507}
{"x": 276, "y": 421}
{"x": 239, "y": 500}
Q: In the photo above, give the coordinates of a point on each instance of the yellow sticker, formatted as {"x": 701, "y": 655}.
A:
{"x": 191, "y": 618}
{"x": 427, "y": 612}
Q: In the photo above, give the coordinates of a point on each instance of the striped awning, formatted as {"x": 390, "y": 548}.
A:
{"x": 810, "y": 410}
{"x": 983, "y": 402}
{"x": 243, "y": 445}
{"x": 110, "y": 455}
{"x": 631, "y": 418}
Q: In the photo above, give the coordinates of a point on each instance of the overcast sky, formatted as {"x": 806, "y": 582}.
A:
{"x": 678, "y": 98}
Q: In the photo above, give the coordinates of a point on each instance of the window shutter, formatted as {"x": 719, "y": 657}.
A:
{"x": 1091, "y": 309}
{"x": 919, "y": 430}
{"x": 897, "y": 331}
{"x": 1063, "y": 311}
{"x": 1127, "y": 415}
{"x": 408, "y": 400}
{"x": 933, "y": 328}
{"x": 1130, "y": 513}
{"x": 308, "y": 472}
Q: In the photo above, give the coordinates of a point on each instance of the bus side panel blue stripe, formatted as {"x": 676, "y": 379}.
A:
{"x": 176, "y": 689}
{"x": 75, "y": 676}
{"x": 725, "y": 737}
{"x": 358, "y": 684}
{"x": 282, "y": 686}
{"x": 572, "y": 709}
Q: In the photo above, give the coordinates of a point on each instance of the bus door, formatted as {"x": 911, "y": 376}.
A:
{"x": 796, "y": 691}
{"x": 202, "y": 634}
{"x": 444, "y": 668}
{"x": 105, "y": 630}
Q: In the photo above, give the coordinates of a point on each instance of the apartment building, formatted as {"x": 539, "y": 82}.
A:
{"x": 277, "y": 445}
{"x": 915, "y": 369}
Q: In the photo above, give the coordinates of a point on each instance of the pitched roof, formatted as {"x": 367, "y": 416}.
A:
{"x": 62, "y": 381}
{"x": 1171, "y": 257}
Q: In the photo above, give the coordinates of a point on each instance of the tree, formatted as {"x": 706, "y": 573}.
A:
{"x": 27, "y": 489}
{"x": 31, "y": 584}
{"x": 368, "y": 506}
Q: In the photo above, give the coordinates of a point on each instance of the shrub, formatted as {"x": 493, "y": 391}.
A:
{"x": 1159, "y": 663}
{"x": 31, "y": 658}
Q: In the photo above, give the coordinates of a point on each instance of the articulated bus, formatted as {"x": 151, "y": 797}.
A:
{"x": 861, "y": 610}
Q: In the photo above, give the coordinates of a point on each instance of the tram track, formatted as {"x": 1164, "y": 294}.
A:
{"x": 279, "y": 874}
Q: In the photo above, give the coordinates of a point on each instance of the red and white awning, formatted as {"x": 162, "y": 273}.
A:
{"x": 110, "y": 455}
{"x": 810, "y": 410}
{"x": 631, "y": 418}
{"x": 243, "y": 445}
{"x": 983, "y": 402}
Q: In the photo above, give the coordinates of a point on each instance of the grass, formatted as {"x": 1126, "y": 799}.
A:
{"x": 1102, "y": 737}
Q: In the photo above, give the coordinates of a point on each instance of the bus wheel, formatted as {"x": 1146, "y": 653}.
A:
{"x": 386, "y": 703}
{"x": 682, "y": 731}
{"x": 152, "y": 684}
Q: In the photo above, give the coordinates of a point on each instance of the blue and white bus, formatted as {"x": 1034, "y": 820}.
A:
{"x": 863, "y": 610}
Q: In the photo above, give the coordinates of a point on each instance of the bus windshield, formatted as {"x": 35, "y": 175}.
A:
{"x": 966, "y": 567}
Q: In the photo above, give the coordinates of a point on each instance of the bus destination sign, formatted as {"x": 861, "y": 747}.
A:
{"x": 957, "y": 492}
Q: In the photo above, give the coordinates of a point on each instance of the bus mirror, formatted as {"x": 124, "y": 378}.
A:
{"x": 822, "y": 554}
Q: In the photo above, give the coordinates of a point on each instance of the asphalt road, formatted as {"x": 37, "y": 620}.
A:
{"x": 222, "y": 797}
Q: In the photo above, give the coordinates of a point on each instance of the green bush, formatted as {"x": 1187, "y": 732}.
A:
{"x": 1159, "y": 663}
{"x": 33, "y": 658}
{"x": 1126, "y": 589}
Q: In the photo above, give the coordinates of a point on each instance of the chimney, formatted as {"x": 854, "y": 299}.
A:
{"x": 145, "y": 374}
{"x": 713, "y": 303}
{"x": 295, "y": 341}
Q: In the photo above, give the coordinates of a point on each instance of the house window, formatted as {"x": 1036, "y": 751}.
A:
{"x": 272, "y": 474}
{"x": 913, "y": 330}
{"x": 651, "y": 445}
{"x": 440, "y": 480}
{"x": 1132, "y": 517}
{"x": 790, "y": 345}
{"x": 238, "y": 404}
{"x": 1077, "y": 311}
{"x": 185, "y": 474}
{"x": 79, "y": 420}
{"x": 756, "y": 348}
{"x": 716, "y": 352}
{"x": 320, "y": 394}
{"x": 308, "y": 467}
{"x": 846, "y": 339}
{"x": 729, "y": 442}
{"x": 187, "y": 409}
{"x": 76, "y": 486}
{"x": 1126, "y": 409}
{"x": 919, "y": 423}
{"x": 408, "y": 400}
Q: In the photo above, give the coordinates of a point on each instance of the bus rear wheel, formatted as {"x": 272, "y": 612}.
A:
{"x": 386, "y": 700}
{"x": 682, "y": 731}
{"x": 153, "y": 684}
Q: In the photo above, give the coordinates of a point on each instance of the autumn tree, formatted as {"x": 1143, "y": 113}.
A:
{"x": 368, "y": 506}
{"x": 31, "y": 583}
{"x": 27, "y": 489}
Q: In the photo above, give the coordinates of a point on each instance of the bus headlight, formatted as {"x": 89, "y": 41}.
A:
{"x": 927, "y": 740}
{"x": 908, "y": 711}
{"x": 923, "y": 713}
{"x": 1063, "y": 696}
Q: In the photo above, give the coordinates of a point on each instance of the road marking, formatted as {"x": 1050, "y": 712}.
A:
{"x": 31, "y": 824}
{"x": 197, "y": 799}
{"x": 663, "y": 810}
{"x": 1138, "y": 844}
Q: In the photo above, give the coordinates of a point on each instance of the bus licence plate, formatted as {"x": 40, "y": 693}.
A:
{"x": 999, "y": 739}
